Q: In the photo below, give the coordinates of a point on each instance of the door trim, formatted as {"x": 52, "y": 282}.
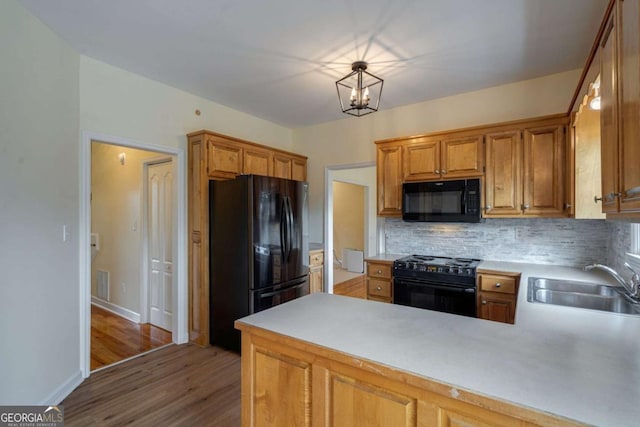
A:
{"x": 180, "y": 303}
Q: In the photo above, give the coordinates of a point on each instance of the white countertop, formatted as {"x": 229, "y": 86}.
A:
{"x": 580, "y": 364}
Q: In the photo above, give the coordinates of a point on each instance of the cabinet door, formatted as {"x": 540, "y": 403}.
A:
{"x": 503, "y": 179}
{"x": 543, "y": 190}
{"x": 257, "y": 161}
{"x": 281, "y": 394}
{"x": 462, "y": 157}
{"x": 299, "y": 170}
{"x": 497, "y": 307}
{"x": 629, "y": 90}
{"x": 224, "y": 158}
{"x": 421, "y": 160}
{"x": 609, "y": 118}
{"x": 389, "y": 177}
{"x": 315, "y": 279}
{"x": 282, "y": 166}
{"x": 357, "y": 403}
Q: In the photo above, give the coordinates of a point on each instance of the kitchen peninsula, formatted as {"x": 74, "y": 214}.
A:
{"x": 326, "y": 359}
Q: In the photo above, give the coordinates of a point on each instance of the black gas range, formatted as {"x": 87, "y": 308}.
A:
{"x": 436, "y": 283}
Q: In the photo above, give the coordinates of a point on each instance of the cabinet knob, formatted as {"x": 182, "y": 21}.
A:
{"x": 488, "y": 207}
{"x": 484, "y": 302}
{"x": 567, "y": 206}
{"x": 437, "y": 171}
{"x": 498, "y": 285}
{"x": 597, "y": 199}
{"x": 525, "y": 207}
{"x": 444, "y": 171}
{"x": 379, "y": 288}
{"x": 379, "y": 271}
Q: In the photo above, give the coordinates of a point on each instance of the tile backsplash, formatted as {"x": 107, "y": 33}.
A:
{"x": 619, "y": 244}
{"x": 567, "y": 242}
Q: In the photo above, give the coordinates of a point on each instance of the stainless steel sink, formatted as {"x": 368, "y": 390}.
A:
{"x": 594, "y": 296}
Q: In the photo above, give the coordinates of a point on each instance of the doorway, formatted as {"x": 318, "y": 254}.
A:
{"x": 131, "y": 252}
{"x": 355, "y": 176}
{"x": 132, "y": 244}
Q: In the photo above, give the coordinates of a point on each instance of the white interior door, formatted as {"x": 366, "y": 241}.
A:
{"x": 160, "y": 220}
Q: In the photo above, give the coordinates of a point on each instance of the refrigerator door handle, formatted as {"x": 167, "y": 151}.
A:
{"x": 283, "y": 228}
{"x": 289, "y": 227}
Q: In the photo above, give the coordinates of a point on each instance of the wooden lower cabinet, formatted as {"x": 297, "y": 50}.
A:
{"x": 286, "y": 382}
{"x": 316, "y": 275}
{"x": 497, "y": 295}
{"x": 379, "y": 282}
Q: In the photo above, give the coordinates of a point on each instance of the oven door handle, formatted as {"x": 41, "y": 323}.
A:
{"x": 435, "y": 286}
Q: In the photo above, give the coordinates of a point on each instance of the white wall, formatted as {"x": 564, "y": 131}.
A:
{"x": 350, "y": 140}
{"x": 39, "y": 294}
{"x": 116, "y": 102}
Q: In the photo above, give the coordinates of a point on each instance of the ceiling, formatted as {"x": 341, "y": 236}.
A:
{"x": 279, "y": 59}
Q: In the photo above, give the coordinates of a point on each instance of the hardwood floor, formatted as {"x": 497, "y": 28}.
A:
{"x": 114, "y": 338}
{"x": 182, "y": 385}
{"x": 352, "y": 288}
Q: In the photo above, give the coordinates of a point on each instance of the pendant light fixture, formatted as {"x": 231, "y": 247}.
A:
{"x": 359, "y": 91}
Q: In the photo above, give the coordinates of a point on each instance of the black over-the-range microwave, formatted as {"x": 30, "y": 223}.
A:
{"x": 442, "y": 201}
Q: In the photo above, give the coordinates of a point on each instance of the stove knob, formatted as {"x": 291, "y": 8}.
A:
{"x": 440, "y": 270}
{"x": 460, "y": 270}
{"x": 452, "y": 270}
{"x": 468, "y": 272}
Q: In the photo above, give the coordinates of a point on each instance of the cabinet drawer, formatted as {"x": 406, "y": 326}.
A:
{"x": 379, "y": 270}
{"x": 316, "y": 258}
{"x": 491, "y": 283}
{"x": 379, "y": 288}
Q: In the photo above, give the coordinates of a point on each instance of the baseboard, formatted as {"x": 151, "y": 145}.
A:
{"x": 64, "y": 390}
{"x": 116, "y": 309}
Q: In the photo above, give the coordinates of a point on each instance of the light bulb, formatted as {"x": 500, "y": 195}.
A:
{"x": 595, "y": 103}
{"x": 353, "y": 94}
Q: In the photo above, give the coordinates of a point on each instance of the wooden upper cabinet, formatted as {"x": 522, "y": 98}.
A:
{"x": 609, "y": 118}
{"x": 282, "y": 166}
{"x": 628, "y": 14}
{"x": 503, "y": 179}
{"x": 462, "y": 157}
{"x": 257, "y": 161}
{"x": 224, "y": 158}
{"x": 421, "y": 160}
{"x": 543, "y": 178}
{"x": 427, "y": 159}
{"x": 389, "y": 180}
{"x": 289, "y": 167}
{"x": 525, "y": 172}
{"x": 299, "y": 169}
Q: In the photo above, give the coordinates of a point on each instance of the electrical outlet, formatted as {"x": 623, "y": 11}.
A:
{"x": 66, "y": 234}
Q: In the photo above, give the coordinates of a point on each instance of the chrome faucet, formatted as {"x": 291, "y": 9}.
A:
{"x": 632, "y": 287}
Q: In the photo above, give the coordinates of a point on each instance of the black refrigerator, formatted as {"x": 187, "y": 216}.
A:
{"x": 259, "y": 249}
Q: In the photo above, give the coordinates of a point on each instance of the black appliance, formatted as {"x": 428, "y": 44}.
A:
{"x": 442, "y": 201}
{"x": 436, "y": 283}
{"x": 259, "y": 254}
